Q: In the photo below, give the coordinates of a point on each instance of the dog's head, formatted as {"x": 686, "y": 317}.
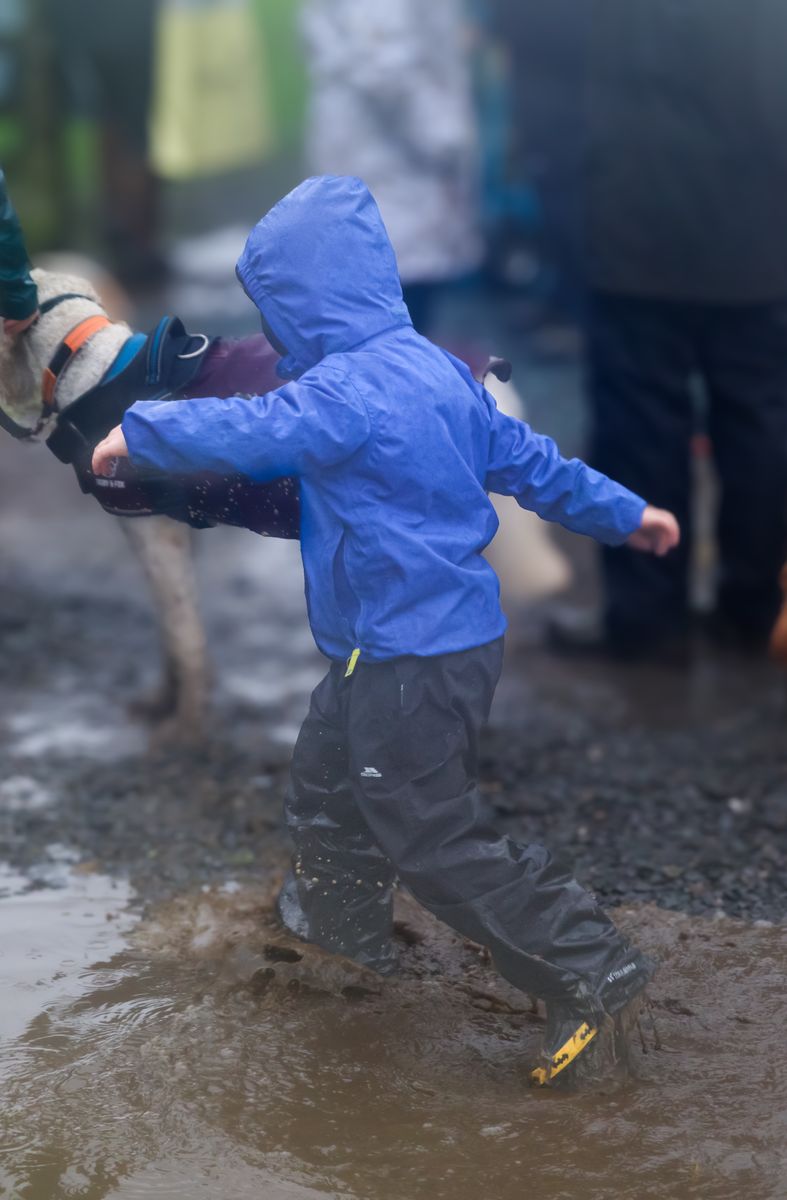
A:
{"x": 65, "y": 299}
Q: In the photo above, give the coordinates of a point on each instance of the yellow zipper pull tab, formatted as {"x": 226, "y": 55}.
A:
{"x": 351, "y": 661}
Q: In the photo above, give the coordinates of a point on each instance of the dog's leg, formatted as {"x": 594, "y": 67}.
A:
{"x": 529, "y": 564}
{"x": 163, "y": 546}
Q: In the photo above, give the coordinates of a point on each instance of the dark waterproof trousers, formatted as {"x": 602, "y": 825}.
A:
{"x": 645, "y": 358}
{"x": 385, "y": 784}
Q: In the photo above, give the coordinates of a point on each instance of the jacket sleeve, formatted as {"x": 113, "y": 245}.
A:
{"x": 18, "y": 292}
{"x": 529, "y": 466}
{"x": 298, "y": 429}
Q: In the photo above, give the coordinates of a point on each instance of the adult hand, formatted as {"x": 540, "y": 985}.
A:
{"x": 113, "y": 446}
{"x": 14, "y": 328}
{"x": 658, "y": 533}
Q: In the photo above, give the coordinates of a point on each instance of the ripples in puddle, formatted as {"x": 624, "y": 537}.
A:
{"x": 194, "y": 1062}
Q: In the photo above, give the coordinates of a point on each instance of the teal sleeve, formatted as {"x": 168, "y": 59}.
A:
{"x": 18, "y": 293}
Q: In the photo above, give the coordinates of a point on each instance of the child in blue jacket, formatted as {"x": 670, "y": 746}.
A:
{"x": 396, "y": 446}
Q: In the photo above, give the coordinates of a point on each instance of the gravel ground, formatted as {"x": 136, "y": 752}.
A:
{"x": 684, "y": 804}
{"x": 646, "y": 805}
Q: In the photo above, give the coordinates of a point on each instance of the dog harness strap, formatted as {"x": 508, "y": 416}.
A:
{"x": 71, "y": 344}
{"x": 53, "y": 301}
{"x": 77, "y": 337}
{"x": 156, "y": 343}
{"x": 166, "y": 356}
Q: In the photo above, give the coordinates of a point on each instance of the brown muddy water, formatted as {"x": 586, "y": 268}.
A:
{"x": 185, "y": 1055}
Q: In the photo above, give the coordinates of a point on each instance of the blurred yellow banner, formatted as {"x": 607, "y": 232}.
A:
{"x": 210, "y": 109}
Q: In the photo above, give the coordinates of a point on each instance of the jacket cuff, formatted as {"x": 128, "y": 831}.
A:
{"x": 18, "y": 301}
{"x": 141, "y": 441}
{"x": 630, "y": 508}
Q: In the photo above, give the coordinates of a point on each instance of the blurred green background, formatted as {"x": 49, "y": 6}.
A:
{"x": 52, "y": 155}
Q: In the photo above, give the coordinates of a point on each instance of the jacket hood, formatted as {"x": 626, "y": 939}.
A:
{"x": 321, "y": 269}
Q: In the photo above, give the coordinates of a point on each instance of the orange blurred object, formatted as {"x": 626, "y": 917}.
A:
{"x": 778, "y": 644}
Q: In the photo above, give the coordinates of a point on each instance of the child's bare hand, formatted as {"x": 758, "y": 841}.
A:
{"x": 658, "y": 533}
{"x": 12, "y": 328}
{"x": 113, "y": 446}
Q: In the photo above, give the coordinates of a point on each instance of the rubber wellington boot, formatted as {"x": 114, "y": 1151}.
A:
{"x": 289, "y": 911}
{"x": 370, "y": 943}
{"x": 586, "y": 1041}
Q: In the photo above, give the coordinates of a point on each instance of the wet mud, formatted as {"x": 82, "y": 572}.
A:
{"x": 212, "y": 1053}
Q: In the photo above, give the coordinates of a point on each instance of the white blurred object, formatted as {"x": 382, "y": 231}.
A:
{"x": 115, "y": 300}
{"x": 526, "y": 560}
{"x": 210, "y": 109}
{"x": 209, "y": 257}
{"x": 391, "y": 102}
{"x": 203, "y": 277}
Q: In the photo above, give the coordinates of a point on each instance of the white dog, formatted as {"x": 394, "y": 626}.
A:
{"x": 163, "y": 546}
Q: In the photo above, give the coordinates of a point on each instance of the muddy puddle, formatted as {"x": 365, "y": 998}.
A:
{"x": 55, "y": 925}
{"x": 192, "y": 1054}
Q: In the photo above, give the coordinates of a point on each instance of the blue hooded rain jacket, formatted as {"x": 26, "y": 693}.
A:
{"x": 394, "y": 442}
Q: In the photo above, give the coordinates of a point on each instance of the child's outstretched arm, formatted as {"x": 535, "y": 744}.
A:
{"x": 311, "y": 424}
{"x": 529, "y": 467}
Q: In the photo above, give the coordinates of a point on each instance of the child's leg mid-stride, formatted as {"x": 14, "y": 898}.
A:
{"x": 388, "y": 757}
{"x": 340, "y": 892}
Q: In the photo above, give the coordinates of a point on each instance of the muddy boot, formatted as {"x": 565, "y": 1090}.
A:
{"x": 587, "y": 1043}
{"x": 289, "y": 911}
{"x": 376, "y": 953}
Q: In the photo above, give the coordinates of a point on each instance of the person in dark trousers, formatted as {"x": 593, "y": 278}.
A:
{"x": 18, "y": 294}
{"x": 104, "y": 70}
{"x": 687, "y": 257}
{"x": 546, "y": 45}
{"x": 396, "y": 446}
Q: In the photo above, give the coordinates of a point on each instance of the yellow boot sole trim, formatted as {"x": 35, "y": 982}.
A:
{"x": 565, "y": 1055}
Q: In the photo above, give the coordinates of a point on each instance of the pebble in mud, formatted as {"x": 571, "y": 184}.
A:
{"x": 23, "y": 793}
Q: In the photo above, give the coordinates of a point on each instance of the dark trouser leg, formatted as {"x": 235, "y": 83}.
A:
{"x": 340, "y": 892}
{"x": 744, "y": 355}
{"x": 414, "y": 726}
{"x": 640, "y": 360}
